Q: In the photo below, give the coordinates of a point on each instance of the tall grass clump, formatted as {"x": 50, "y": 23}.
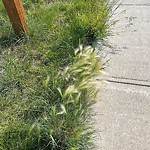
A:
{"x": 47, "y": 83}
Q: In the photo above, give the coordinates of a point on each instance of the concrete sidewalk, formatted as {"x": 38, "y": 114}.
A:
{"x": 123, "y": 112}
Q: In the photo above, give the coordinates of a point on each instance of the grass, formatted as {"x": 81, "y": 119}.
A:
{"x": 47, "y": 78}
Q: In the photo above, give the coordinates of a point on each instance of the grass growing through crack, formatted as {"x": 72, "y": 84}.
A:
{"x": 46, "y": 86}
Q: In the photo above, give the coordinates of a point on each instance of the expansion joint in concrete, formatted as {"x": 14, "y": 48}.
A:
{"x": 136, "y": 82}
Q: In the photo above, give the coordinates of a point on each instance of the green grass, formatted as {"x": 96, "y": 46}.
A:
{"x": 46, "y": 81}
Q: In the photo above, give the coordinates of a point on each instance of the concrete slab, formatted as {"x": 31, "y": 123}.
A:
{"x": 131, "y": 44}
{"x": 122, "y": 121}
{"x": 123, "y": 112}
